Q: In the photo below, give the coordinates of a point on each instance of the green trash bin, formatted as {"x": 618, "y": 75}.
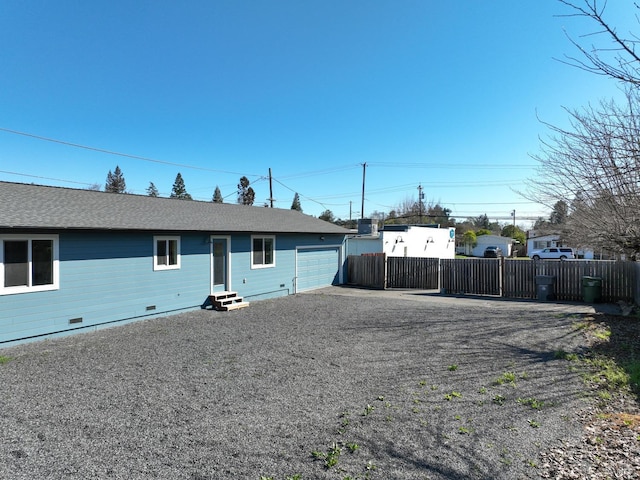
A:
{"x": 591, "y": 289}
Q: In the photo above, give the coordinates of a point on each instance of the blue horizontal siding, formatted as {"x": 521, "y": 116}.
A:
{"x": 259, "y": 283}
{"x": 108, "y": 277}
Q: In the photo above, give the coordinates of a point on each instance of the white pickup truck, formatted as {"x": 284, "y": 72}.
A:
{"x": 557, "y": 253}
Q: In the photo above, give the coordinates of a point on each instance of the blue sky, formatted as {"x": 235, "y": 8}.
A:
{"x": 443, "y": 94}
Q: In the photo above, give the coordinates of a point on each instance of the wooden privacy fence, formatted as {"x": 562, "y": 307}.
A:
{"x": 508, "y": 278}
{"x": 478, "y": 276}
{"x": 412, "y": 272}
{"x": 367, "y": 271}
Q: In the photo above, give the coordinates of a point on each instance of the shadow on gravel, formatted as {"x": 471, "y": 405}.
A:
{"x": 464, "y": 458}
{"x": 464, "y": 382}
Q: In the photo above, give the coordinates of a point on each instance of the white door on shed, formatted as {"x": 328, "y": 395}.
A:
{"x": 316, "y": 267}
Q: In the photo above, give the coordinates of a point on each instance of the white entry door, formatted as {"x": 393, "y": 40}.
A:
{"x": 219, "y": 264}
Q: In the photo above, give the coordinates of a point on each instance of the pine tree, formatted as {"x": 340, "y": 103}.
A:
{"x": 115, "y": 182}
{"x": 559, "y": 214}
{"x": 217, "y": 196}
{"x": 246, "y": 195}
{"x": 179, "y": 191}
{"x": 152, "y": 191}
{"x": 295, "y": 205}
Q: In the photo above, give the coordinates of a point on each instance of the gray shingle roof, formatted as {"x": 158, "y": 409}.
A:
{"x": 36, "y": 206}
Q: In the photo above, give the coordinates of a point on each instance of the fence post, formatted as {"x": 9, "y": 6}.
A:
{"x": 501, "y": 277}
{"x": 384, "y": 278}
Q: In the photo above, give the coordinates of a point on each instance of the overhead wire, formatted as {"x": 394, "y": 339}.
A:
{"x": 404, "y": 187}
{"x": 299, "y": 194}
{"x": 321, "y": 172}
{"x": 317, "y": 199}
{"x": 45, "y": 178}
{"x": 449, "y": 165}
{"x": 120, "y": 154}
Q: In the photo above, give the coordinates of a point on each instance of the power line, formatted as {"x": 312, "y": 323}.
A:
{"x": 237, "y": 192}
{"x": 298, "y": 175}
{"x": 466, "y": 166}
{"x": 303, "y": 196}
{"x": 495, "y": 203}
{"x": 407, "y": 187}
{"x": 120, "y": 154}
{"x": 46, "y": 178}
{"x": 320, "y": 172}
{"x": 379, "y": 191}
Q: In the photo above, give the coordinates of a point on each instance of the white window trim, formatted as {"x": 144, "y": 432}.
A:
{"x": 261, "y": 265}
{"x": 157, "y": 267}
{"x": 27, "y": 288}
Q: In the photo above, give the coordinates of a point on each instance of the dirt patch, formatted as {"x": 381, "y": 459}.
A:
{"x": 610, "y": 444}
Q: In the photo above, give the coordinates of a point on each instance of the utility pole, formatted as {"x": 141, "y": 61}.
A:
{"x": 513, "y": 214}
{"x": 420, "y": 198}
{"x": 364, "y": 170}
{"x": 350, "y": 205}
{"x": 270, "y": 189}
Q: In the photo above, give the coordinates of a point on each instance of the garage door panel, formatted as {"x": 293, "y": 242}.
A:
{"x": 317, "y": 268}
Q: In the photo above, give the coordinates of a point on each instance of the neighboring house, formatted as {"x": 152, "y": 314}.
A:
{"x": 536, "y": 241}
{"x": 77, "y": 259}
{"x": 484, "y": 241}
{"x": 406, "y": 241}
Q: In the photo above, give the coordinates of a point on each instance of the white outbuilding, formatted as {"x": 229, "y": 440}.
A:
{"x": 427, "y": 241}
{"x": 420, "y": 241}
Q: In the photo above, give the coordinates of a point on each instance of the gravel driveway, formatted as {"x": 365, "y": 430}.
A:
{"x": 384, "y": 385}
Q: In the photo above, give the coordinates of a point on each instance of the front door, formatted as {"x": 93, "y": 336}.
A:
{"x": 219, "y": 267}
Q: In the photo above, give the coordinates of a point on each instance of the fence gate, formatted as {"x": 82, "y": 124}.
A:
{"x": 475, "y": 276}
{"x": 367, "y": 271}
{"x": 408, "y": 272}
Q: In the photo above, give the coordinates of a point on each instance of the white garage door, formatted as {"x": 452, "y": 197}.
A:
{"x": 317, "y": 268}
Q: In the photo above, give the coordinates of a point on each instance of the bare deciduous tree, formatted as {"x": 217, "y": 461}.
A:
{"x": 327, "y": 216}
{"x": 412, "y": 211}
{"x": 594, "y": 168}
{"x": 615, "y": 55}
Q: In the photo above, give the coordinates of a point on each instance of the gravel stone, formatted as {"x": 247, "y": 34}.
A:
{"x": 392, "y": 385}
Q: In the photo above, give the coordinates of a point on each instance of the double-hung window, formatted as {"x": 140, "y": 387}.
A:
{"x": 28, "y": 263}
{"x": 166, "y": 253}
{"x": 263, "y": 253}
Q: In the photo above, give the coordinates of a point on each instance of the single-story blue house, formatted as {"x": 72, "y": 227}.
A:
{"x": 73, "y": 260}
